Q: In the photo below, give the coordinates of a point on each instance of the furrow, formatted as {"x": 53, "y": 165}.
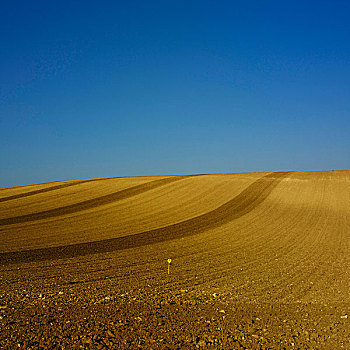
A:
{"x": 47, "y": 189}
{"x": 240, "y": 205}
{"x": 91, "y": 203}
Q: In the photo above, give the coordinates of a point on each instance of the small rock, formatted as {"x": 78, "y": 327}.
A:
{"x": 110, "y": 334}
{"x": 201, "y": 344}
{"x": 344, "y": 316}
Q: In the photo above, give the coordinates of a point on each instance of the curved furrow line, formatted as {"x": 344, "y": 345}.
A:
{"x": 288, "y": 251}
{"x": 321, "y": 253}
{"x": 260, "y": 262}
{"x": 309, "y": 250}
{"x": 49, "y": 189}
{"x": 91, "y": 203}
{"x": 263, "y": 262}
{"x": 240, "y": 205}
{"x": 303, "y": 256}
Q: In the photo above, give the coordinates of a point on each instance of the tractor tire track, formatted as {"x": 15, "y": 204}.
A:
{"x": 91, "y": 203}
{"x": 240, "y": 205}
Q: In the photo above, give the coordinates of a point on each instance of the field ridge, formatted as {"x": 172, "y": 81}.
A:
{"x": 240, "y": 205}
{"x": 90, "y": 203}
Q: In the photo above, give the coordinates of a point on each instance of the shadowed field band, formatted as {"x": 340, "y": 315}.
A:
{"x": 240, "y": 205}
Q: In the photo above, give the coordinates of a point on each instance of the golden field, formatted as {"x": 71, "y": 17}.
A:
{"x": 259, "y": 260}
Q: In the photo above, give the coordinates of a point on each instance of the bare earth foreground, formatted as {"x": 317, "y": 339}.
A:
{"x": 259, "y": 261}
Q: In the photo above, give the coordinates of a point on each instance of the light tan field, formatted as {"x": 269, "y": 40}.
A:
{"x": 259, "y": 260}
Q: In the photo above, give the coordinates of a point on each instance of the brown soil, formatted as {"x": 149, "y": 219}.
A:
{"x": 259, "y": 261}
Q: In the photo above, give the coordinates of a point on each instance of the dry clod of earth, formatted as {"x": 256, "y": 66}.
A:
{"x": 258, "y": 261}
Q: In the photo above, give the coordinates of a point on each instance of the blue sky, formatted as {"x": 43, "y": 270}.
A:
{"x": 118, "y": 88}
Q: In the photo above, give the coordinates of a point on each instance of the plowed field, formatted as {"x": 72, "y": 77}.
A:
{"x": 258, "y": 261}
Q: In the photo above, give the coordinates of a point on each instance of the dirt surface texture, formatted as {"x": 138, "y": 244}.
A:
{"x": 258, "y": 261}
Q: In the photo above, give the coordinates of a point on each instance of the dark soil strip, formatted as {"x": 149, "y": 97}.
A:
{"x": 240, "y": 205}
{"x": 49, "y": 189}
{"x": 91, "y": 203}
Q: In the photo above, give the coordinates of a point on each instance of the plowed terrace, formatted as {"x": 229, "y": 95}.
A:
{"x": 259, "y": 260}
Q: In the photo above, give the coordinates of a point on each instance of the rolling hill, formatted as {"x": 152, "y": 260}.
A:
{"x": 259, "y": 260}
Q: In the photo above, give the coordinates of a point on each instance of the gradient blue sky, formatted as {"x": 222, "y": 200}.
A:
{"x": 117, "y": 88}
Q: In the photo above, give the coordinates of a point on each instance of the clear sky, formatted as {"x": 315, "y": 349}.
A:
{"x": 118, "y": 88}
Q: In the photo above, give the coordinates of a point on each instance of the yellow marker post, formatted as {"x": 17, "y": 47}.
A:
{"x": 169, "y": 262}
